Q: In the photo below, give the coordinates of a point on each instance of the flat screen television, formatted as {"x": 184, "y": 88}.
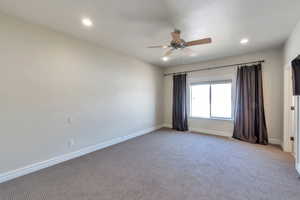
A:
{"x": 296, "y": 76}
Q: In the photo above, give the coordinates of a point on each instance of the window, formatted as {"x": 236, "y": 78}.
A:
{"x": 211, "y": 100}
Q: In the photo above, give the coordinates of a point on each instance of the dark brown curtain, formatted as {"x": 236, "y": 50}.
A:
{"x": 179, "y": 103}
{"x": 249, "y": 119}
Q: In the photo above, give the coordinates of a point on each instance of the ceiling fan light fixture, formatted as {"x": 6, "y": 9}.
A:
{"x": 244, "y": 41}
{"x": 165, "y": 58}
{"x": 87, "y": 22}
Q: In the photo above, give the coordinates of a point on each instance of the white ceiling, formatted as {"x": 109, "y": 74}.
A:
{"x": 129, "y": 26}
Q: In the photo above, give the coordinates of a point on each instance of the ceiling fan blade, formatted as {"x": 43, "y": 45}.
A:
{"x": 169, "y": 52}
{"x": 159, "y": 46}
{"x": 199, "y": 42}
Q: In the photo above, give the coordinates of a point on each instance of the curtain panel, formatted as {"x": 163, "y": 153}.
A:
{"x": 249, "y": 116}
{"x": 180, "y": 121}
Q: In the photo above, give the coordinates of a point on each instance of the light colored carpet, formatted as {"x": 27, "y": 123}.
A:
{"x": 166, "y": 165}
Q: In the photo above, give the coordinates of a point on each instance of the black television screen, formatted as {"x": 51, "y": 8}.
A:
{"x": 296, "y": 76}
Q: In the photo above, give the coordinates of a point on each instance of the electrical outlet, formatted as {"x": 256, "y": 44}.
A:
{"x": 69, "y": 120}
{"x": 71, "y": 142}
{"x": 292, "y": 107}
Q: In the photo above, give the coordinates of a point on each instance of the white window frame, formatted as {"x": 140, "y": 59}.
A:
{"x": 211, "y": 83}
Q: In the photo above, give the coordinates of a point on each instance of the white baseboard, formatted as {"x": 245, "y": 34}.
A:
{"x": 222, "y": 133}
{"x": 212, "y": 132}
{"x": 62, "y": 158}
{"x": 205, "y": 131}
{"x": 167, "y": 126}
{"x": 275, "y": 141}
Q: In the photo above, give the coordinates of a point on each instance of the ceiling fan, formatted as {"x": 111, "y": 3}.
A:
{"x": 179, "y": 43}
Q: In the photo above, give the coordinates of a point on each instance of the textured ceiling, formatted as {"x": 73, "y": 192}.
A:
{"x": 129, "y": 26}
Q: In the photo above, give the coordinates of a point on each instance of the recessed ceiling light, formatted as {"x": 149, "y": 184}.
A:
{"x": 87, "y": 22}
{"x": 165, "y": 58}
{"x": 244, "y": 41}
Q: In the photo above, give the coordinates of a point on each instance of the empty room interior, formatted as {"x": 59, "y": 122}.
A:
{"x": 149, "y": 100}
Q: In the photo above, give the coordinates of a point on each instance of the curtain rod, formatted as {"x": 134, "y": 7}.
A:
{"x": 212, "y": 68}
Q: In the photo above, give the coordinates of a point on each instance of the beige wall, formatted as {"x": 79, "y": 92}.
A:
{"x": 55, "y": 89}
{"x": 292, "y": 46}
{"x": 273, "y": 94}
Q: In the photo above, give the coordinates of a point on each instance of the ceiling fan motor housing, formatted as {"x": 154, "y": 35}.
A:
{"x": 178, "y": 44}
